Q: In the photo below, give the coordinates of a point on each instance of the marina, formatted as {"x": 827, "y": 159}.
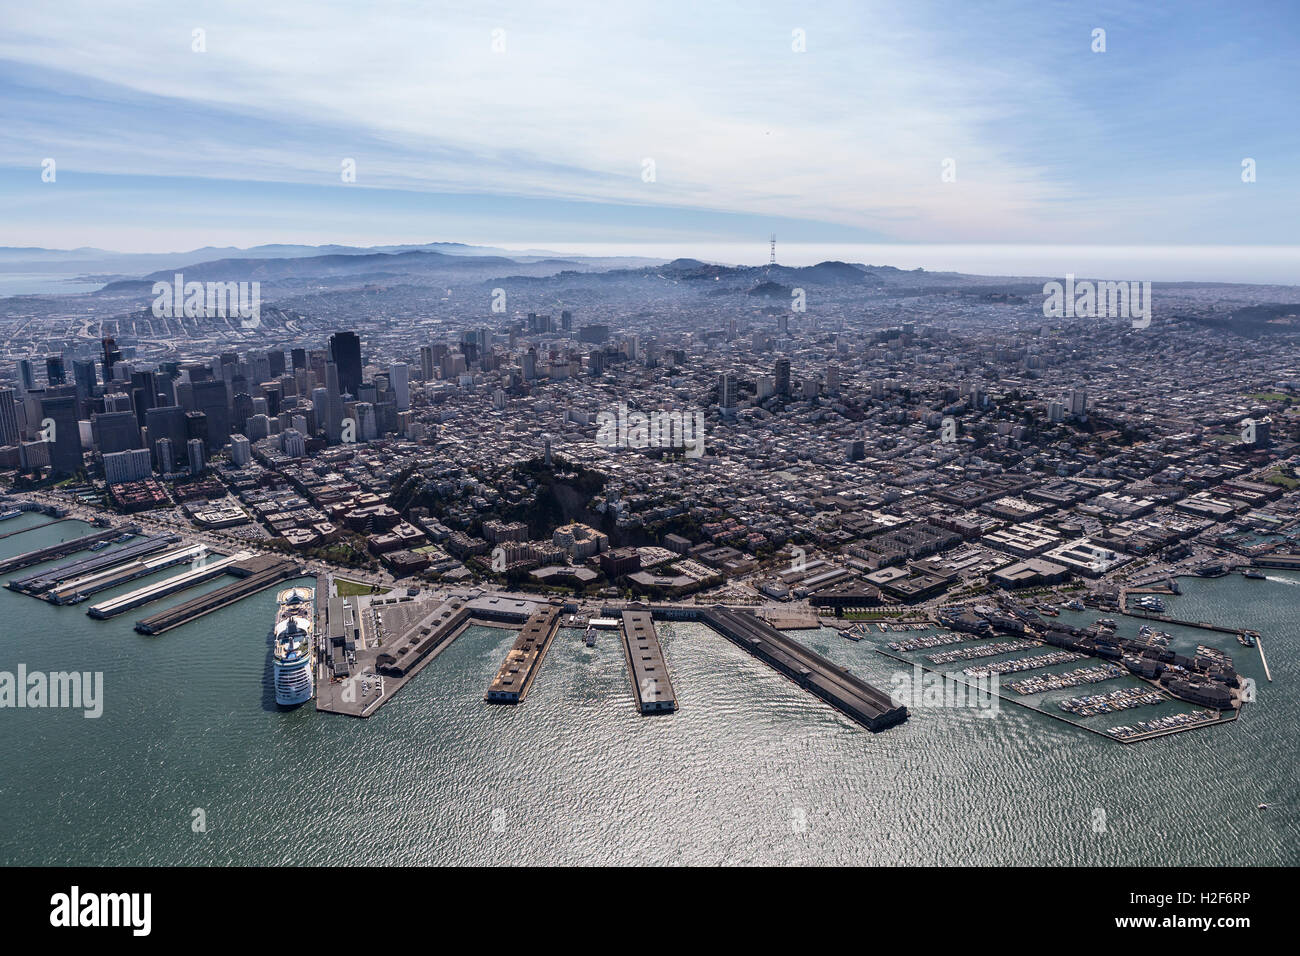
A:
{"x": 982, "y": 650}
{"x": 1125, "y": 698}
{"x": 1023, "y": 664}
{"x": 1041, "y": 683}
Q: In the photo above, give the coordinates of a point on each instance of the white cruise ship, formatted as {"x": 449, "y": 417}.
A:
{"x": 295, "y": 674}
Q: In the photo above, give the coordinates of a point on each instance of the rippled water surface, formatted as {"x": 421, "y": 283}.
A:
{"x": 750, "y": 770}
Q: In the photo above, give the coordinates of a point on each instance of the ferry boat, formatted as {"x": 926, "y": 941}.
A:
{"x": 295, "y": 676}
{"x": 11, "y": 513}
{"x": 1253, "y": 574}
{"x": 589, "y": 638}
{"x": 99, "y": 545}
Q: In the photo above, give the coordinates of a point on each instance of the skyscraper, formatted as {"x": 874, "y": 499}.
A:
{"x": 726, "y": 394}
{"x": 333, "y": 424}
{"x": 197, "y": 460}
{"x": 399, "y": 384}
{"x": 210, "y": 399}
{"x": 782, "y": 376}
{"x": 55, "y": 373}
{"x": 345, "y": 350}
{"x": 8, "y": 417}
{"x": 115, "y": 431}
{"x": 62, "y": 432}
{"x": 26, "y": 378}
{"x": 112, "y": 355}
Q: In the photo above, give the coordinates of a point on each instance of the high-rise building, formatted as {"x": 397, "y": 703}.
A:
{"x": 9, "y": 433}
{"x": 197, "y": 460}
{"x": 334, "y": 404}
{"x": 367, "y": 430}
{"x": 426, "y": 363}
{"x": 26, "y": 378}
{"x": 115, "y": 432}
{"x": 112, "y": 355}
{"x": 83, "y": 377}
{"x": 165, "y": 453}
{"x": 399, "y": 384}
{"x": 59, "y": 425}
{"x": 123, "y": 466}
{"x": 727, "y": 394}
{"x": 345, "y": 350}
{"x": 1078, "y": 401}
{"x": 210, "y": 399}
{"x": 782, "y": 376}
{"x": 292, "y": 443}
{"x": 55, "y": 373}
{"x": 240, "y": 450}
{"x": 144, "y": 393}
{"x": 167, "y": 422}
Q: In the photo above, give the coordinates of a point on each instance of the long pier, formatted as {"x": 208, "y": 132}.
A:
{"x": 1259, "y": 642}
{"x": 62, "y": 549}
{"x": 160, "y": 589}
{"x": 78, "y": 589}
{"x": 868, "y": 705}
{"x": 79, "y": 568}
{"x": 34, "y": 527}
{"x": 524, "y": 659}
{"x": 256, "y": 574}
{"x": 645, "y": 664}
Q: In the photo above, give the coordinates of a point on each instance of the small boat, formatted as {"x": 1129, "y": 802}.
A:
{"x": 99, "y": 545}
{"x": 1262, "y": 806}
{"x": 589, "y": 638}
{"x": 1253, "y": 575}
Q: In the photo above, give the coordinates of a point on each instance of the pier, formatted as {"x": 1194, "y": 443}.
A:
{"x": 50, "y": 579}
{"x": 1259, "y": 642}
{"x": 523, "y": 661}
{"x": 256, "y": 574}
{"x": 413, "y": 634}
{"x": 651, "y": 685}
{"x": 160, "y": 589}
{"x": 62, "y": 549}
{"x": 869, "y": 706}
{"x": 45, "y": 524}
{"x": 78, "y": 589}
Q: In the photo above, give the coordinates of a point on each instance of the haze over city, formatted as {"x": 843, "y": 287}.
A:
{"x": 565, "y": 435}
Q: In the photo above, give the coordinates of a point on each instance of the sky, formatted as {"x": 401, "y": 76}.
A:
{"x": 537, "y": 123}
